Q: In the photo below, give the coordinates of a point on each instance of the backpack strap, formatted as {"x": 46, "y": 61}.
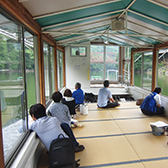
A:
{"x": 61, "y": 135}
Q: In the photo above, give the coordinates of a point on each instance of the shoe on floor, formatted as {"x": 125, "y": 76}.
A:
{"x": 79, "y": 148}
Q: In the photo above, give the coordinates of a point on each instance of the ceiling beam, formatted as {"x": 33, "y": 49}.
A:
{"x": 130, "y": 45}
{"x": 133, "y": 40}
{"x": 77, "y": 40}
{"x": 126, "y": 9}
{"x": 74, "y": 9}
{"x": 75, "y": 32}
{"x": 83, "y": 25}
{"x": 158, "y": 21}
{"x": 140, "y": 25}
{"x": 159, "y": 3}
{"x": 82, "y": 19}
{"x": 82, "y": 31}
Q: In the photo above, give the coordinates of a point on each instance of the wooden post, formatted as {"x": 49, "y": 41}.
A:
{"x": 1, "y": 141}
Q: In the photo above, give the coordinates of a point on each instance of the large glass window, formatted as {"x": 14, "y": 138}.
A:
{"x": 147, "y": 70}
{"x": 30, "y": 68}
{"x": 137, "y": 69}
{"x": 143, "y": 69}
{"x": 127, "y": 65}
{"x": 127, "y": 72}
{"x": 60, "y": 68}
{"x": 163, "y": 71}
{"x": 52, "y": 69}
{"x": 104, "y": 62}
{"x": 96, "y": 62}
{"x": 127, "y": 52}
{"x": 48, "y": 59}
{"x": 13, "y": 82}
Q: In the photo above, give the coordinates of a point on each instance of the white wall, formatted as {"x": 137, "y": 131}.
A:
{"x": 77, "y": 69}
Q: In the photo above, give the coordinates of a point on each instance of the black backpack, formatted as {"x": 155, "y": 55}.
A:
{"x": 62, "y": 153}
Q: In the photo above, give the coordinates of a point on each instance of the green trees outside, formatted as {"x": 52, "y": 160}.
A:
{"x": 9, "y": 51}
{"x": 104, "y": 58}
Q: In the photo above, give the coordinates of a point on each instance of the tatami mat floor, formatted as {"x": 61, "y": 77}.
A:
{"x": 120, "y": 138}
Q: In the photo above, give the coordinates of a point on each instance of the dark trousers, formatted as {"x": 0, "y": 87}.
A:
{"x": 110, "y": 104}
{"x": 67, "y": 129}
{"x": 159, "y": 111}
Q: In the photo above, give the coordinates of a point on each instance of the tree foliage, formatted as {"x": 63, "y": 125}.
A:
{"x": 11, "y": 54}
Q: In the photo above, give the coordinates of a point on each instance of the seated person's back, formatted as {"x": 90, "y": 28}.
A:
{"x": 152, "y": 103}
{"x": 78, "y": 94}
{"x": 47, "y": 128}
{"x": 59, "y": 110}
{"x": 69, "y": 101}
{"x": 105, "y": 99}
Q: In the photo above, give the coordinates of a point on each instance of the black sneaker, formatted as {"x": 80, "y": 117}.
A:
{"x": 79, "y": 148}
{"x": 77, "y": 164}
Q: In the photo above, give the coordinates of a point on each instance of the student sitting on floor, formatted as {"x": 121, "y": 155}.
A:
{"x": 61, "y": 112}
{"x": 152, "y": 103}
{"x": 47, "y": 128}
{"x": 105, "y": 99}
{"x": 70, "y": 102}
{"x": 78, "y": 95}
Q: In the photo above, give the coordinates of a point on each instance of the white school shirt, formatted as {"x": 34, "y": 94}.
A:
{"x": 47, "y": 128}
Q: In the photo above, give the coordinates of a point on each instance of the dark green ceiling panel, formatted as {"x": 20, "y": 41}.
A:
{"x": 138, "y": 38}
{"x": 150, "y": 9}
{"x": 80, "y": 41}
{"x": 67, "y": 37}
{"x": 89, "y": 31}
{"x": 147, "y": 40}
{"x": 97, "y": 29}
{"x": 83, "y": 21}
{"x": 146, "y": 20}
{"x": 82, "y": 13}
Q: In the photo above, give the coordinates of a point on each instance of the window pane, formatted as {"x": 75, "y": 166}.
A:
{"x": 97, "y": 53}
{"x": 163, "y": 71}
{"x": 112, "y": 53}
{"x": 137, "y": 69}
{"x": 82, "y": 51}
{"x": 112, "y": 72}
{"x": 127, "y": 72}
{"x": 48, "y": 56}
{"x": 78, "y": 51}
{"x": 73, "y": 50}
{"x": 127, "y": 52}
{"x": 30, "y": 71}
{"x": 60, "y": 68}
{"x": 52, "y": 68}
{"x": 147, "y": 70}
{"x": 11, "y": 83}
{"x": 46, "y": 69}
{"x": 96, "y": 71}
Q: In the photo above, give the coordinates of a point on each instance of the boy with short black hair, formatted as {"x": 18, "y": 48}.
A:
{"x": 61, "y": 112}
{"x": 105, "y": 99}
{"x": 151, "y": 105}
{"x": 47, "y": 128}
